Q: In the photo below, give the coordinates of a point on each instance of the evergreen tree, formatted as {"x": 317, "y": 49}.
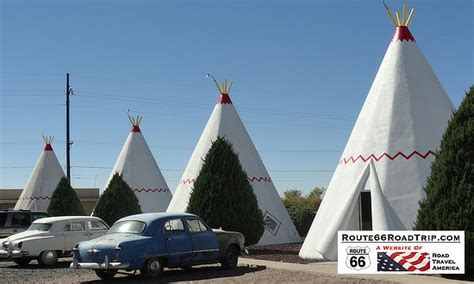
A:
{"x": 223, "y": 196}
{"x": 449, "y": 202}
{"x": 117, "y": 201}
{"x": 64, "y": 201}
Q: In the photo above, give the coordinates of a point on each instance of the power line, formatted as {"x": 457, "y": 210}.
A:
{"x": 31, "y": 74}
{"x": 181, "y": 170}
{"x": 32, "y": 105}
{"x": 205, "y": 106}
{"x": 85, "y": 142}
{"x": 29, "y": 91}
{"x": 184, "y": 85}
{"x": 201, "y": 117}
{"x": 38, "y": 96}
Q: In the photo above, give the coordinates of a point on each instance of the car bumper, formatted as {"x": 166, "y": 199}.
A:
{"x": 98, "y": 266}
{"x": 244, "y": 252}
{"x": 7, "y": 254}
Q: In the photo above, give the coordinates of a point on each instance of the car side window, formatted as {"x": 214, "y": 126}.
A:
{"x": 173, "y": 226}
{"x": 97, "y": 225}
{"x": 195, "y": 225}
{"x": 3, "y": 219}
{"x": 36, "y": 216}
{"x": 21, "y": 220}
{"x": 74, "y": 227}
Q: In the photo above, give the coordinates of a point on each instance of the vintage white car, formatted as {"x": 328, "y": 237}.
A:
{"x": 48, "y": 239}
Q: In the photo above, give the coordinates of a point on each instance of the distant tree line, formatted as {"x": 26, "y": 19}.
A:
{"x": 302, "y": 209}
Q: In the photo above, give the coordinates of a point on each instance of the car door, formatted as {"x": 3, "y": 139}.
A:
{"x": 178, "y": 242}
{"x": 74, "y": 232}
{"x": 204, "y": 241}
{"x": 96, "y": 228}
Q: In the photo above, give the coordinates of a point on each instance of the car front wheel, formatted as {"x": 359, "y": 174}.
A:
{"x": 105, "y": 274}
{"x": 152, "y": 268}
{"x": 48, "y": 257}
{"x": 231, "y": 258}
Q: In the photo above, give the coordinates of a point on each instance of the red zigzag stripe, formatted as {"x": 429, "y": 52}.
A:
{"x": 259, "y": 179}
{"x": 251, "y": 179}
{"x": 151, "y": 190}
{"x": 372, "y": 156}
{"x": 188, "y": 180}
{"x": 36, "y": 198}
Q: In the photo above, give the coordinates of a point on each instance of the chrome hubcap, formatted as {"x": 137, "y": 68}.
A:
{"x": 49, "y": 256}
{"x": 154, "y": 266}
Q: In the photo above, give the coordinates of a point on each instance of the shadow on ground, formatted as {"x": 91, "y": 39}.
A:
{"x": 34, "y": 265}
{"x": 194, "y": 274}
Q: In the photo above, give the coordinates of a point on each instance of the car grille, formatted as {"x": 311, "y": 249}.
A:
{"x": 97, "y": 256}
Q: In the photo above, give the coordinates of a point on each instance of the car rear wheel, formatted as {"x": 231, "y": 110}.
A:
{"x": 48, "y": 257}
{"x": 105, "y": 274}
{"x": 231, "y": 258}
{"x": 22, "y": 261}
{"x": 152, "y": 268}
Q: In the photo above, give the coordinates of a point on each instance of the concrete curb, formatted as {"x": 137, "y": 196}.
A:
{"x": 330, "y": 269}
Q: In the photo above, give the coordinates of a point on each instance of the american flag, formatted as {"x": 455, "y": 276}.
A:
{"x": 403, "y": 261}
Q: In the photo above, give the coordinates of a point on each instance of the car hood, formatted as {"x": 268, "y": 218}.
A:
{"x": 110, "y": 241}
{"x": 27, "y": 235}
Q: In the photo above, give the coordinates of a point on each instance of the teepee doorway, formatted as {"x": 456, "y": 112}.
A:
{"x": 365, "y": 211}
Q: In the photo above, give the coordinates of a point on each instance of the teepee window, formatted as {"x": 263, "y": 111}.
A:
{"x": 365, "y": 215}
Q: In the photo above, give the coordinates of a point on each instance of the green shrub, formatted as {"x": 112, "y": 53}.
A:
{"x": 64, "y": 201}
{"x": 449, "y": 202}
{"x": 223, "y": 196}
{"x": 117, "y": 201}
{"x": 302, "y": 209}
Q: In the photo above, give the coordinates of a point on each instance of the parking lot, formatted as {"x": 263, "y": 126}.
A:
{"x": 61, "y": 273}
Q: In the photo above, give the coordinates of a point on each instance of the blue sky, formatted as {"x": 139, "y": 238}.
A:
{"x": 302, "y": 70}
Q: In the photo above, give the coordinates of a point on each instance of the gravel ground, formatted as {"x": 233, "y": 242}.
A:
{"x": 12, "y": 273}
{"x": 285, "y": 253}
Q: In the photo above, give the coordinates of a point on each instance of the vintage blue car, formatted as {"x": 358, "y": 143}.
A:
{"x": 149, "y": 242}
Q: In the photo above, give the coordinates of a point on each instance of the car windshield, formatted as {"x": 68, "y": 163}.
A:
{"x": 40, "y": 227}
{"x": 127, "y": 227}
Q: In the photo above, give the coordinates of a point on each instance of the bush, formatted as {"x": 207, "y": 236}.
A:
{"x": 302, "y": 210}
{"x": 449, "y": 202}
{"x": 223, "y": 196}
{"x": 64, "y": 201}
{"x": 117, "y": 201}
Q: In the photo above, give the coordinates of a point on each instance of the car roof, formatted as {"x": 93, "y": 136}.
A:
{"x": 65, "y": 218}
{"x": 150, "y": 217}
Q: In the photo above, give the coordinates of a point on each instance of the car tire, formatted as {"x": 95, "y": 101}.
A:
{"x": 231, "y": 258}
{"x": 152, "y": 268}
{"x": 48, "y": 257}
{"x": 105, "y": 274}
{"x": 22, "y": 261}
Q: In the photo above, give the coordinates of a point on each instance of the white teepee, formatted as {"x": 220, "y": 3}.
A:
{"x": 390, "y": 150}
{"x": 43, "y": 181}
{"x": 225, "y": 122}
{"x": 141, "y": 172}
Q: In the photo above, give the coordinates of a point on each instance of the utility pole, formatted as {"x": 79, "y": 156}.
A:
{"x": 68, "y": 138}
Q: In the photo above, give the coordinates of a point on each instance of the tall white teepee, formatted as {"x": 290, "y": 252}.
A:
{"x": 390, "y": 149}
{"x": 43, "y": 181}
{"x": 141, "y": 172}
{"x": 225, "y": 122}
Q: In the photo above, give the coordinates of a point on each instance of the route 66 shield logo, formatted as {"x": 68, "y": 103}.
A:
{"x": 358, "y": 257}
